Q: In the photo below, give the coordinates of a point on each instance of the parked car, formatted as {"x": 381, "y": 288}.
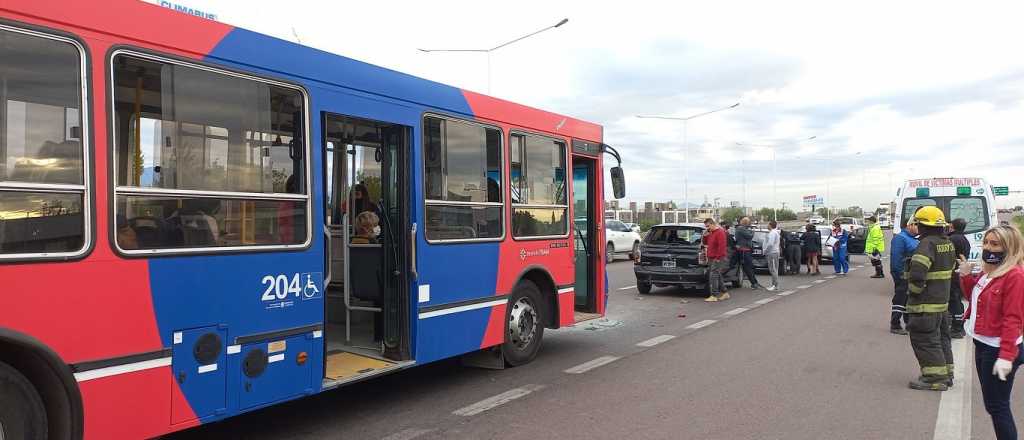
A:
{"x": 621, "y": 239}
{"x": 672, "y": 255}
{"x": 816, "y": 220}
{"x": 849, "y": 223}
{"x": 855, "y": 245}
{"x": 634, "y": 227}
{"x": 757, "y": 251}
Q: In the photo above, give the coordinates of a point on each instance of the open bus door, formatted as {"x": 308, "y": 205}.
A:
{"x": 586, "y": 239}
{"x": 367, "y": 305}
{"x": 588, "y": 225}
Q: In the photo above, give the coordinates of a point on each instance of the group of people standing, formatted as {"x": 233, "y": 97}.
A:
{"x": 932, "y": 277}
{"x": 784, "y": 251}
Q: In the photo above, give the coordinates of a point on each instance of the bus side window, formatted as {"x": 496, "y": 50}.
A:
{"x": 207, "y": 159}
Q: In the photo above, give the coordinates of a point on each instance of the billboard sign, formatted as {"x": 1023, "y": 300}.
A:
{"x": 813, "y": 200}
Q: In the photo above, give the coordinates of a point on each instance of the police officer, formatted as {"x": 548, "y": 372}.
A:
{"x": 928, "y": 277}
{"x": 874, "y": 246}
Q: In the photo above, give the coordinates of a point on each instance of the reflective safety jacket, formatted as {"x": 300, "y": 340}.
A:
{"x": 875, "y": 240}
{"x": 928, "y": 275}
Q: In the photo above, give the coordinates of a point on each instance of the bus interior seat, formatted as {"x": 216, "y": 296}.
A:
{"x": 147, "y": 231}
{"x": 365, "y": 272}
{"x": 196, "y": 230}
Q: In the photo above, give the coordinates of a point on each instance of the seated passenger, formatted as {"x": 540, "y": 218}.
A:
{"x": 366, "y": 228}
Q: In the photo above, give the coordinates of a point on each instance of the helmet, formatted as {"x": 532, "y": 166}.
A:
{"x": 929, "y": 216}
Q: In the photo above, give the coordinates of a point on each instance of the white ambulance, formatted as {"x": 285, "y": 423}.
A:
{"x": 969, "y": 198}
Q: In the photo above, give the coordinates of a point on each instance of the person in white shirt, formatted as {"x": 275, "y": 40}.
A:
{"x": 772, "y": 252}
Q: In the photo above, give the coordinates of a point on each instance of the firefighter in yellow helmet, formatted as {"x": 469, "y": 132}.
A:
{"x": 928, "y": 273}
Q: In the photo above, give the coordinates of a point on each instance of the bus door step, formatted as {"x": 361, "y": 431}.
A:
{"x": 345, "y": 365}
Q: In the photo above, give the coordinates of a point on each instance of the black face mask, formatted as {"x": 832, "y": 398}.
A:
{"x": 992, "y": 257}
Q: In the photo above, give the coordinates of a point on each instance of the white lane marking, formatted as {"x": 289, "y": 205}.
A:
{"x": 803, "y": 286}
{"x": 735, "y": 311}
{"x": 701, "y": 324}
{"x": 627, "y": 287}
{"x": 122, "y": 369}
{"x": 830, "y": 277}
{"x": 766, "y": 300}
{"x": 496, "y": 401}
{"x": 860, "y": 265}
{"x": 787, "y": 293}
{"x": 655, "y": 340}
{"x": 954, "y": 416}
{"x": 853, "y": 269}
{"x": 818, "y": 281}
{"x": 408, "y": 434}
{"x": 590, "y": 365}
{"x": 442, "y": 312}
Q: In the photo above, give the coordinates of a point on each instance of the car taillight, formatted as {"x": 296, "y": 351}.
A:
{"x": 636, "y": 255}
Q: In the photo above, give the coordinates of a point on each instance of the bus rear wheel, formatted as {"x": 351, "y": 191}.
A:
{"x": 525, "y": 328}
{"x": 22, "y": 415}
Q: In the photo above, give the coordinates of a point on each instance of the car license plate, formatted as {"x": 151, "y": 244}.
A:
{"x": 668, "y": 263}
{"x": 758, "y": 252}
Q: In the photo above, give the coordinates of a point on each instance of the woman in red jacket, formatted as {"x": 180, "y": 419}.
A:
{"x": 994, "y": 320}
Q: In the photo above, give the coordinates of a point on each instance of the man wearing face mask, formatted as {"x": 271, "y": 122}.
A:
{"x": 928, "y": 277}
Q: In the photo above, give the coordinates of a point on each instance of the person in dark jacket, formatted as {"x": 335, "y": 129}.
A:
{"x": 745, "y": 249}
{"x": 730, "y": 245}
{"x": 901, "y": 248}
{"x": 812, "y": 248}
{"x": 956, "y": 306}
{"x": 791, "y": 241}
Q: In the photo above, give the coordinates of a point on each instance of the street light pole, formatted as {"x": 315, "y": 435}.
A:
{"x": 488, "y": 51}
{"x": 686, "y": 151}
{"x": 743, "y": 172}
{"x": 686, "y": 174}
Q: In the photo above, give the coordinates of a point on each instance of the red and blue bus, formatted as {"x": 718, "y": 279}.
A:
{"x": 197, "y": 221}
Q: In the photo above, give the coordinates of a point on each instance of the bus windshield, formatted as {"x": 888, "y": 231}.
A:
{"x": 971, "y": 209}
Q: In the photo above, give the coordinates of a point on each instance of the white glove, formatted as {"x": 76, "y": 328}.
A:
{"x": 1002, "y": 368}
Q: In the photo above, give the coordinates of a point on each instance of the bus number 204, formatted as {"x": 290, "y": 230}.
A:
{"x": 299, "y": 285}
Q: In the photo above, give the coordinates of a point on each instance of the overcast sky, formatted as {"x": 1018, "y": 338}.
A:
{"x": 891, "y": 90}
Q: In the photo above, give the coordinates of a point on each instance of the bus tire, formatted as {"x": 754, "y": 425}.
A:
{"x": 22, "y": 414}
{"x": 524, "y": 319}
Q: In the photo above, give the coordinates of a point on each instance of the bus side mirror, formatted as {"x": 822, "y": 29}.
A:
{"x": 618, "y": 182}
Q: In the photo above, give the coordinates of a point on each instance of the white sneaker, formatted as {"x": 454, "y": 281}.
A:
{"x": 770, "y": 288}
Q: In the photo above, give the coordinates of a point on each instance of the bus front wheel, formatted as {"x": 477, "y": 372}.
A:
{"x": 525, "y": 324}
{"x": 22, "y": 415}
